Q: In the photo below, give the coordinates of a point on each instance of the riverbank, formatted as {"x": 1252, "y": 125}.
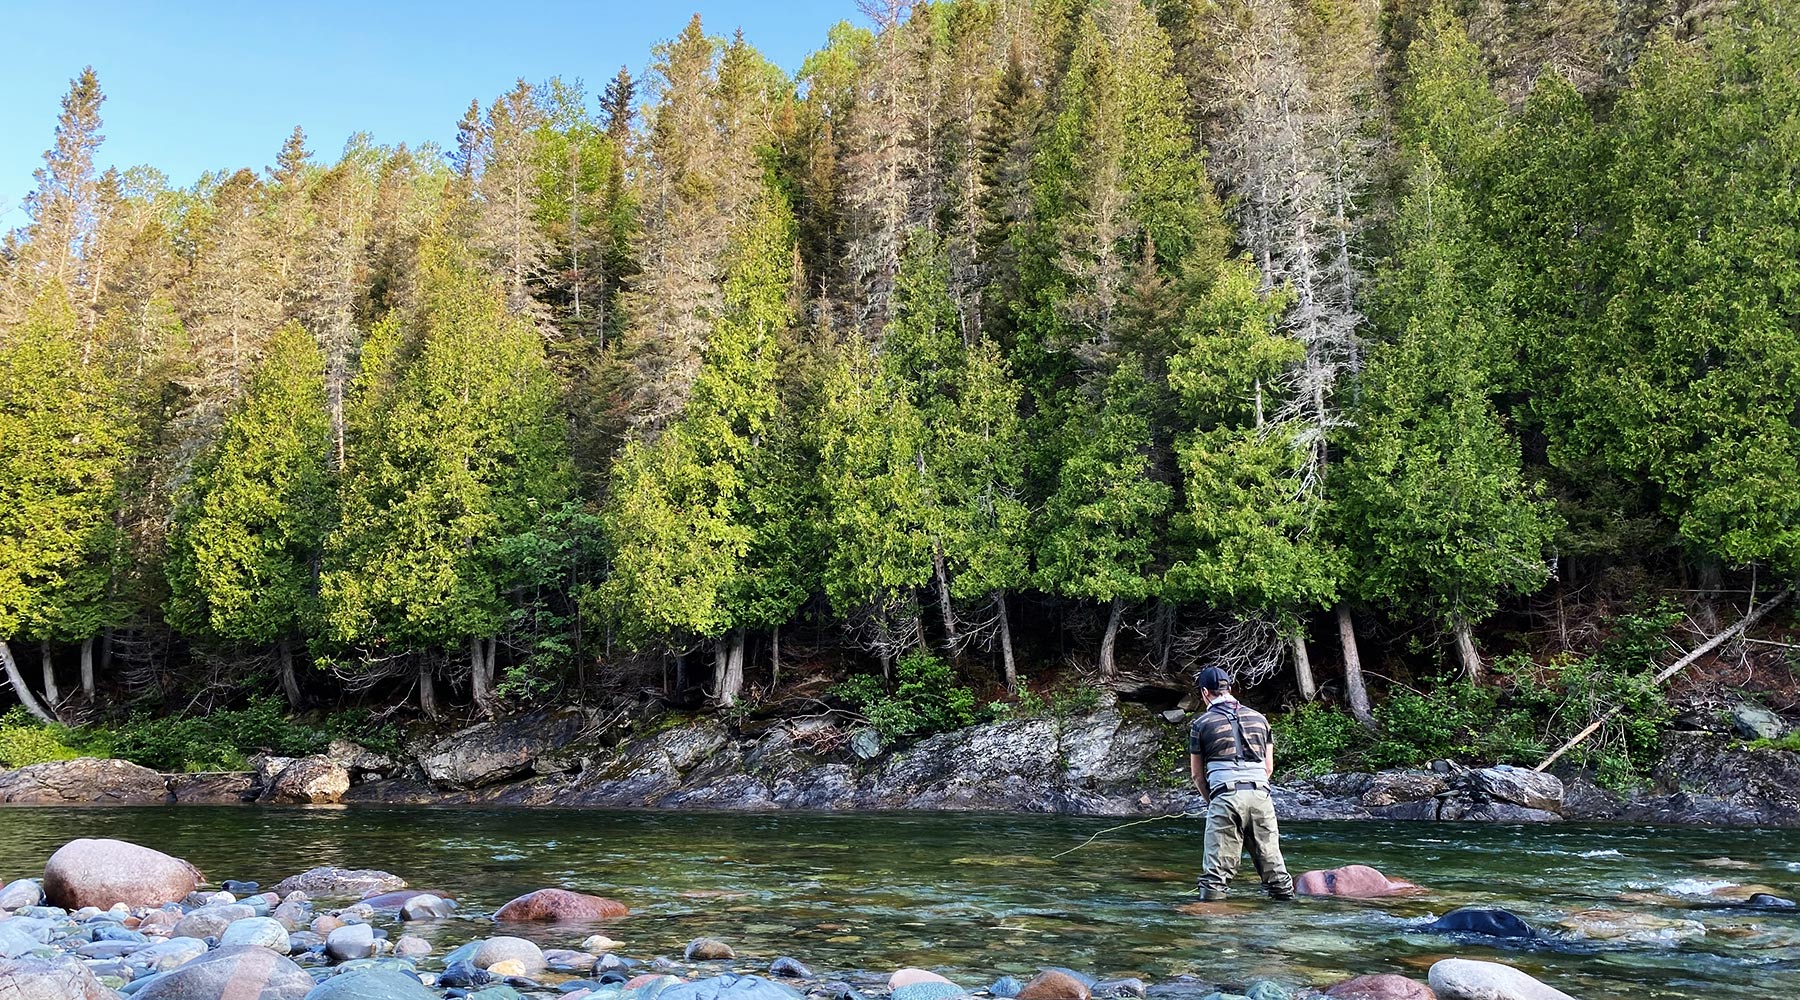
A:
{"x": 1119, "y": 759}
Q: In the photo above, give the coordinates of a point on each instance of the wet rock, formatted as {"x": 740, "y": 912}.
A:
{"x": 103, "y": 872}
{"x": 371, "y": 983}
{"x": 84, "y": 780}
{"x": 1754, "y": 722}
{"x": 238, "y": 888}
{"x": 426, "y": 906}
{"x": 411, "y": 946}
{"x": 238, "y": 971}
{"x": 1382, "y": 987}
{"x": 1480, "y": 920}
{"x": 1769, "y": 901}
{"x": 1006, "y": 986}
{"x": 791, "y": 968}
{"x": 1268, "y": 989}
{"x": 495, "y": 950}
{"x": 1465, "y": 807}
{"x": 22, "y": 892}
{"x": 729, "y": 988}
{"x": 1710, "y": 781}
{"x": 598, "y": 943}
{"x": 565, "y": 960}
{"x": 560, "y": 906}
{"x": 1389, "y": 788}
{"x": 1114, "y": 989}
{"x": 493, "y": 752}
{"x": 40, "y": 979}
{"x": 1518, "y": 785}
{"x": 463, "y": 973}
{"x": 910, "y": 976}
{"x": 1465, "y": 979}
{"x": 325, "y": 923}
{"x": 707, "y": 949}
{"x": 209, "y": 921}
{"x": 507, "y": 968}
{"x": 1351, "y": 882}
{"x": 350, "y": 941}
{"x": 1055, "y": 984}
{"x": 314, "y": 780}
{"x": 1629, "y": 927}
{"x": 340, "y": 883}
{"x": 926, "y": 991}
{"x": 396, "y": 899}
{"x": 263, "y": 932}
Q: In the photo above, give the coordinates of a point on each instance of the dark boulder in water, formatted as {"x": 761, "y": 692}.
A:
{"x": 1481, "y": 920}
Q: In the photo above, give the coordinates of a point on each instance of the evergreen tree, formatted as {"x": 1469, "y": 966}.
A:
{"x": 63, "y": 433}
{"x": 1431, "y": 499}
{"x": 455, "y": 449}
{"x": 248, "y": 536}
{"x": 64, "y": 206}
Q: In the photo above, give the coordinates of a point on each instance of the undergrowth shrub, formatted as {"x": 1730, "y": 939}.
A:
{"x": 927, "y": 698}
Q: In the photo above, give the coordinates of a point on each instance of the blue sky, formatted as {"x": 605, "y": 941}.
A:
{"x": 197, "y": 86}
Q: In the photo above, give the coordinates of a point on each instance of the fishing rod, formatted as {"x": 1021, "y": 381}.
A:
{"x": 1188, "y": 814}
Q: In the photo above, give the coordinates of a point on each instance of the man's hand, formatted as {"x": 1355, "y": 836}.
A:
{"x": 1269, "y": 762}
{"x": 1197, "y": 771}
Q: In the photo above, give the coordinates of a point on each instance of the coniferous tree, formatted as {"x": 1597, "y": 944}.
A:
{"x": 1432, "y": 500}
{"x": 248, "y": 536}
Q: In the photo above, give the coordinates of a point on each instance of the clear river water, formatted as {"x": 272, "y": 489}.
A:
{"x": 978, "y": 896}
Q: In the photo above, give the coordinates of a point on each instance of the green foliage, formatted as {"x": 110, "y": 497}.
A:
{"x": 1316, "y": 738}
{"x": 25, "y": 741}
{"x": 927, "y": 698}
{"x": 217, "y": 741}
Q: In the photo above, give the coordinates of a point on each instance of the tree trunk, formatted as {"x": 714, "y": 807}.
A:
{"x": 51, "y": 695}
{"x": 1708, "y": 584}
{"x": 731, "y": 684}
{"x": 681, "y": 676}
{"x": 480, "y": 684}
{"x": 1006, "y": 646}
{"x": 1109, "y": 668}
{"x": 18, "y": 684}
{"x": 1356, "y": 691}
{"x": 1303, "y": 672}
{"x": 952, "y": 636}
{"x": 290, "y": 685}
{"x": 1465, "y": 650}
{"x": 87, "y": 669}
{"x": 106, "y": 650}
{"x": 428, "y": 703}
{"x": 775, "y": 659}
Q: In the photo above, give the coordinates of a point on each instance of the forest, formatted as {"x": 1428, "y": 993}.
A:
{"x": 1359, "y": 347}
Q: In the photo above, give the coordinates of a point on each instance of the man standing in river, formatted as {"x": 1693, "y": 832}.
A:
{"x": 1231, "y": 756}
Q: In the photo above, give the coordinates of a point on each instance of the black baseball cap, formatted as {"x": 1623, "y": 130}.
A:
{"x": 1213, "y": 679}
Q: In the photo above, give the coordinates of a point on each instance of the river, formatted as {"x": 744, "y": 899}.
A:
{"x": 976, "y": 896}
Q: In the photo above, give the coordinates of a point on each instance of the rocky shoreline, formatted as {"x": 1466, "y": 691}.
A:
{"x": 1118, "y": 760}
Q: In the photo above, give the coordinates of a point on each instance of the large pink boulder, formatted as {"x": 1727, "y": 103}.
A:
{"x": 1351, "y": 882}
{"x": 560, "y": 906}
{"x": 103, "y": 872}
{"x": 1383, "y": 987}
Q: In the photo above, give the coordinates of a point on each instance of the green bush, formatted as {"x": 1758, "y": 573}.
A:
{"x": 25, "y": 741}
{"x": 220, "y": 741}
{"x": 1315, "y": 738}
{"x": 926, "y": 699}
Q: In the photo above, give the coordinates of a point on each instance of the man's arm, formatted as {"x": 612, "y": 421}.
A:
{"x": 1269, "y": 761}
{"x": 1197, "y": 771}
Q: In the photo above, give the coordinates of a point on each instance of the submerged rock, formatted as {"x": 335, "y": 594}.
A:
{"x": 1627, "y": 927}
{"x": 1382, "y": 987}
{"x": 494, "y": 950}
{"x": 371, "y": 983}
{"x": 1466, "y": 979}
{"x": 790, "y": 968}
{"x": 705, "y": 949}
{"x": 560, "y": 906}
{"x": 729, "y": 988}
{"x": 1055, "y": 984}
{"x": 264, "y": 932}
{"x": 340, "y": 883}
{"x": 909, "y": 976}
{"x": 1351, "y": 882}
{"x": 350, "y": 941}
{"x": 103, "y": 872}
{"x": 1480, "y": 920}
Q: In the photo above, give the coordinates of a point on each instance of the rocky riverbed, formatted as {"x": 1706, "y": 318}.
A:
{"x": 108, "y": 918}
{"x": 1119, "y": 760}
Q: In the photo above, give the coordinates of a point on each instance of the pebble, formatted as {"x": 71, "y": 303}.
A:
{"x": 410, "y": 946}
{"x": 350, "y": 941}
{"x": 263, "y": 932}
{"x": 705, "y": 949}
{"x": 1055, "y": 984}
{"x": 494, "y": 950}
{"x": 790, "y": 968}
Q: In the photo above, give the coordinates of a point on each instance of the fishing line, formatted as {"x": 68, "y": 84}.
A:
{"x": 1190, "y": 814}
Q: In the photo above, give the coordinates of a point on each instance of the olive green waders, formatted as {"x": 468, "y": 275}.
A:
{"x": 1235, "y": 820}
